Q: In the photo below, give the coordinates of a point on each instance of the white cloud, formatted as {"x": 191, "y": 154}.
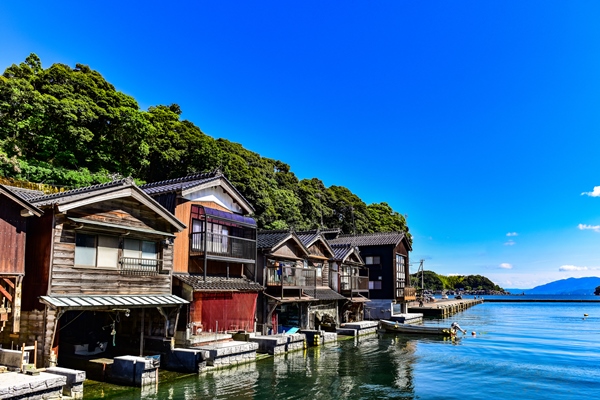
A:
{"x": 572, "y": 268}
{"x": 595, "y": 228}
{"x": 576, "y": 268}
{"x": 510, "y": 243}
{"x": 594, "y": 193}
{"x": 505, "y": 266}
{"x": 512, "y": 234}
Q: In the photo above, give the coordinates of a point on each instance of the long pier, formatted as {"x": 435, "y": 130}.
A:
{"x": 444, "y": 308}
{"x": 525, "y": 300}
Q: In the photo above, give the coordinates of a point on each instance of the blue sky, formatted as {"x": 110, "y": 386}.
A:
{"x": 479, "y": 120}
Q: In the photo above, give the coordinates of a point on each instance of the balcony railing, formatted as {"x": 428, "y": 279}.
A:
{"x": 406, "y": 293}
{"x": 223, "y": 246}
{"x": 354, "y": 283}
{"x": 291, "y": 277}
{"x": 140, "y": 266}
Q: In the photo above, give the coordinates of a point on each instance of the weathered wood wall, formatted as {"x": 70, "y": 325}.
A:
{"x": 37, "y": 261}
{"x": 13, "y": 229}
{"x": 68, "y": 279}
{"x": 182, "y": 239}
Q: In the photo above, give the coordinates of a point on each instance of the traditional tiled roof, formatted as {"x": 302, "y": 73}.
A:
{"x": 269, "y": 239}
{"x": 25, "y": 194}
{"x": 341, "y": 250}
{"x": 13, "y": 193}
{"x": 91, "y": 193}
{"x": 70, "y": 195}
{"x": 219, "y": 283}
{"x": 179, "y": 184}
{"x": 308, "y": 237}
{"x": 370, "y": 239}
{"x": 325, "y": 293}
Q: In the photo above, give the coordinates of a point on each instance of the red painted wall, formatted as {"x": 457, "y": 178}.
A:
{"x": 233, "y": 311}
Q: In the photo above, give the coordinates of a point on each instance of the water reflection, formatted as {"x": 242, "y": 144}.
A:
{"x": 361, "y": 368}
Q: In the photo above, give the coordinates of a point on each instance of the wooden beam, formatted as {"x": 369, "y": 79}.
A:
{"x": 9, "y": 282}
{"x": 5, "y": 293}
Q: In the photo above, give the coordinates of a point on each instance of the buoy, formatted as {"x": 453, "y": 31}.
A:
{"x": 473, "y": 333}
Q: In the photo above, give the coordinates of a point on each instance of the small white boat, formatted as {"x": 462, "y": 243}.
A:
{"x": 392, "y": 326}
{"x": 445, "y": 297}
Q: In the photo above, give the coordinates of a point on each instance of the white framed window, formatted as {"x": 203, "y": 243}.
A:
{"x": 96, "y": 251}
{"x": 134, "y": 248}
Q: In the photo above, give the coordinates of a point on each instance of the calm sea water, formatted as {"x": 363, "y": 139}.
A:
{"x": 520, "y": 351}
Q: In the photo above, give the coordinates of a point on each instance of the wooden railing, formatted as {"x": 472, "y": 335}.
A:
{"x": 223, "y": 245}
{"x": 140, "y": 266}
{"x": 406, "y": 293}
{"x": 291, "y": 277}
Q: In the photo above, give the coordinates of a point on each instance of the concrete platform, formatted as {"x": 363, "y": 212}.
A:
{"x": 409, "y": 318}
{"x": 229, "y": 353}
{"x": 42, "y": 386}
{"x": 279, "y": 344}
{"x": 318, "y": 337}
{"x": 358, "y": 328}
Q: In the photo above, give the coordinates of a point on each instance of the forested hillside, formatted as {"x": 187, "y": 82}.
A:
{"x": 68, "y": 126}
{"x": 433, "y": 281}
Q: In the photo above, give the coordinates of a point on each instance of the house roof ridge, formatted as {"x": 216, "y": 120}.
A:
{"x": 84, "y": 189}
{"x": 188, "y": 178}
{"x": 345, "y": 235}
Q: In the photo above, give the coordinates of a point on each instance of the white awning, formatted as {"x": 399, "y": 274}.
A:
{"x": 111, "y": 302}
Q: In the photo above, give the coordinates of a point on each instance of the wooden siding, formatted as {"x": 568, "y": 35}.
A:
{"x": 127, "y": 212}
{"x": 182, "y": 239}
{"x": 37, "y": 261}
{"x": 13, "y": 229}
{"x": 67, "y": 279}
{"x": 287, "y": 250}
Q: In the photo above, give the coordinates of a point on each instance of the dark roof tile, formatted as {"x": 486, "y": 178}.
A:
{"x": 370, "y": 239}
{"x": 219, "y": 283}
{"x": 268, "y": 239}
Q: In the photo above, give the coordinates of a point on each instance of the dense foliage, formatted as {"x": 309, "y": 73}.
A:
{"x": 597, "y": 291}
{"x": 433, "y": 281}
{"x": 70, "y": 127}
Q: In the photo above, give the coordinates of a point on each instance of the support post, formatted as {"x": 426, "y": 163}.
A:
{"x": 142, "y": 334}
{"x": 16, "y": 306}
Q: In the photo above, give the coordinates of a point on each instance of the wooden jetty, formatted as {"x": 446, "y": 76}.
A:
{"x": 526, "y": 300}
{"x": 444, "y": 308}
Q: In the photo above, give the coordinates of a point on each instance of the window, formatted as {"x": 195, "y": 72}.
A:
{"x": 374, "y": 285}
{"x": 400, "y": 271}
{"x": 372, "y": 260}
{"x": 133, "y": 248}
{"x": 96, "y": 251}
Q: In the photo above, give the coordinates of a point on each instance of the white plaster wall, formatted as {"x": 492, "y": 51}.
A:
{"x": 216, "y": 194}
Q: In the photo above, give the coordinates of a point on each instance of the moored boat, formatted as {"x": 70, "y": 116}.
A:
{"x": 392, "y": 326}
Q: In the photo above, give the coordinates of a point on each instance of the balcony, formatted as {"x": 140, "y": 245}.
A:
{"x": 287, "y": 277}
{"x": 223, "y": 246}
{"x": 406, "y": 294}
{"x": 354, "y": 283}
{"x": 140, "y": 266}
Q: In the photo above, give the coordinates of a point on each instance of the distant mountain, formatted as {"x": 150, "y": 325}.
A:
{"x": 572, "y": 286}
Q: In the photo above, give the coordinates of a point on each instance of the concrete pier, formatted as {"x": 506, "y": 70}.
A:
{"x": 73, "y": 388}
{"x": 230, "y": 353}
{"x": 318, "y": 337}
{"x": 41, "y": 386}
{"x": 444, "y": 308}
{"x": 358, "y": 328}
{"x": 135, "y": 371}
{"x": 279, "y": 344}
